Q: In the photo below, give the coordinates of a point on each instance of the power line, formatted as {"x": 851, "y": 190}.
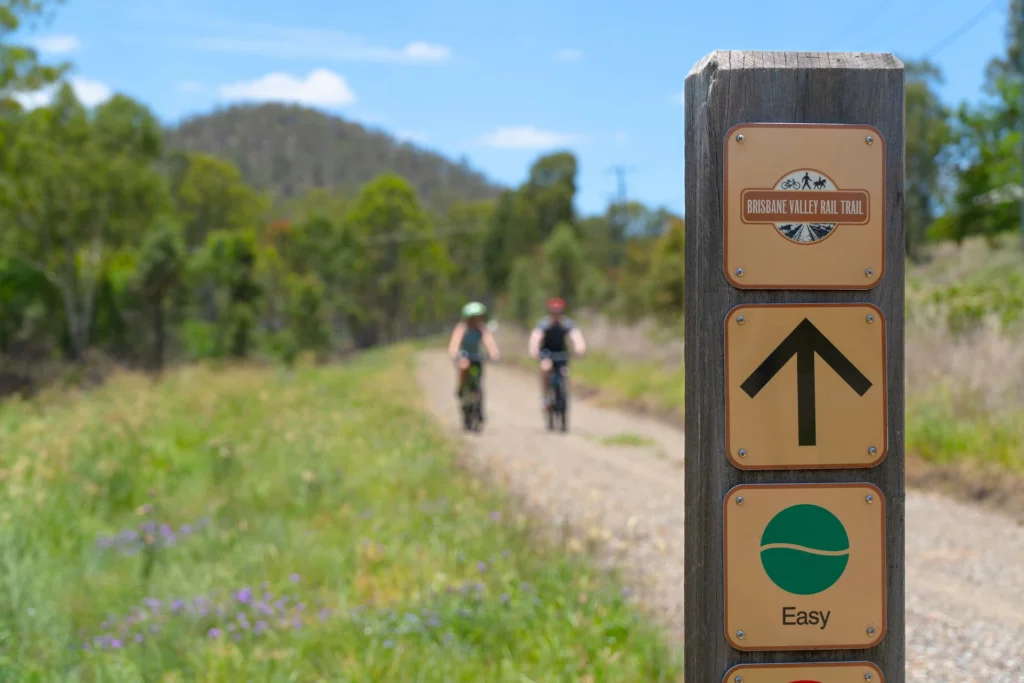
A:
{"x": 962, "y": 29}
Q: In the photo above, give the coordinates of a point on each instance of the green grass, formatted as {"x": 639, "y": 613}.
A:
{"x": 323, "y": 495}
{"x": 627, "y": 439}
{"x": 645, "y": 385}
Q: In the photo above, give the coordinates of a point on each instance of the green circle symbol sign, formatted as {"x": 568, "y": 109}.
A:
{"x": 804, "y": 549}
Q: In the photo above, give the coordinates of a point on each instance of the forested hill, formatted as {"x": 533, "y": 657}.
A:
{"x": 289, "y": 149}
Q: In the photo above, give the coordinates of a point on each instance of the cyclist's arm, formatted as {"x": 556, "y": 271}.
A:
{"x": 578, "y": 344}
{"x": 533, "y": 346}
{"x": 453, "y": 343}
{"x": 492, "y": 347}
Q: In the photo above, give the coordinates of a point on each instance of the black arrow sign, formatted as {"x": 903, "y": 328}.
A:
{"x": 803, "y": 342}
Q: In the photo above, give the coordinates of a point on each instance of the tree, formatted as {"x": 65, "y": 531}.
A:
{"x": 665, "y": 281}
{"x": 20, "y": 70}
{"x": 397, "y": 268}
{"x": 927, "y": 138}
{"x": 227, "y": 265}
{"x": 551, "y": 189}
{"x": 465, "y": 231}
{"x": 522, "y": 291}
{"x": 160, "y": 271}
{"x": 307, "y": 315}
{"x": 563, "y": 257}
{"x": 209, "y": 195}
{"x": 75, "y": 187}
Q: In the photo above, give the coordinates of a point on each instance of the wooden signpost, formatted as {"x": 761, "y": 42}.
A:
{"x": 794, "y": 369}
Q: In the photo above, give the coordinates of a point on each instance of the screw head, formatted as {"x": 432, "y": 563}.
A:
{"x": 743, "y": 452}
{"x": 739, "y": 272}
{"x": 739, "y": 501}
{"x": 867, "y": 677}
{"x": 738, "y": 679}
{"x": 868, "y": 272}
{"x": 739, "y": 138}
{"x": 741, "y": 635}
{"x": 740, "y": 320}
{"x": 870, "y": 140}
{"x": 871, "y": 318}
{"x": 871, "y": 630}
{"x": 872, "y": 450}
{"x": 869, "y": 498}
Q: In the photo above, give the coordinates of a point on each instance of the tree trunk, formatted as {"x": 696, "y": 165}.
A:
{"x": 159, "y": 335}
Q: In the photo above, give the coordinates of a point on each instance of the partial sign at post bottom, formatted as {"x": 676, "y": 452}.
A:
{"x": 805, "y": 386}
{"x": 805, "y": 566}
{"x": 833, "y": 672}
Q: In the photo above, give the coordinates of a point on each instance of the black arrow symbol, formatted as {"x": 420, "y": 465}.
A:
{"x": 803, "y": 342}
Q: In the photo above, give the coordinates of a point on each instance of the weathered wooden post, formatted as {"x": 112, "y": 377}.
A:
{"x": 794, "y": 368}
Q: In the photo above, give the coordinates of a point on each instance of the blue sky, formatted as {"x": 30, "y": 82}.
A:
{"x": 499, "y": 82}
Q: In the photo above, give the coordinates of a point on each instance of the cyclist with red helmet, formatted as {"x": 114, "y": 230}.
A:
{"x": 549, "y": 338}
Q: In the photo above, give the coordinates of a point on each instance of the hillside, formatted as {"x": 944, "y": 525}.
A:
{"x": 288, "y": 150}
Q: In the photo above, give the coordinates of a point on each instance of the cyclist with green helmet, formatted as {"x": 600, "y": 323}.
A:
{"x": 469, "y": 334}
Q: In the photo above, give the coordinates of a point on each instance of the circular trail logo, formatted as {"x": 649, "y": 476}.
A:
{"x": 805, "y": 179}
{"x": 804, "y": 549}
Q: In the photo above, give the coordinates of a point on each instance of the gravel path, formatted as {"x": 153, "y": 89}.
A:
{"x": 965, "y": 567}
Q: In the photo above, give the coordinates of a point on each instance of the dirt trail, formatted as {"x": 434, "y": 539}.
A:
{"x": 965, "y": 567}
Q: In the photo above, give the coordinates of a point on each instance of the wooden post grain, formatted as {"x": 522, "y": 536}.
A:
{"x": 723, "y": 89}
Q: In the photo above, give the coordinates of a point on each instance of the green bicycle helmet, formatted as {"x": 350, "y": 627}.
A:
{"x": 474, "y": 309}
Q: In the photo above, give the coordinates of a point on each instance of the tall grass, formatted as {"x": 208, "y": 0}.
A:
{"x": 254, "y": 525}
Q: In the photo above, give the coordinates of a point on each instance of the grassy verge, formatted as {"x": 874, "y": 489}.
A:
{"x": 260, "y": 525}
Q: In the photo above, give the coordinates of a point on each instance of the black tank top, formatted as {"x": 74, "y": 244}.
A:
{"x": 554, "y": 334}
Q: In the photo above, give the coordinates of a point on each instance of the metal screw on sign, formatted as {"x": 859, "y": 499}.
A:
{"x": 871, "y": 318}
{"x": 869, "y": 498}
{"x": 738, "y": 679}
{"x": 739, "y": 272}
{"x": 867, "y": 677}
{"x": 740, "y": 320}
{"x": 739, "y": 500}
{"x": 868, "y": 272}
{"x": 869, "y": 140}
{"x": 871, "y": 630}
{"x": 741, "y": 635}
{"x": 743, "y": 452}
{"x": 739, "y": 138}
{"x": 872, "y": 450}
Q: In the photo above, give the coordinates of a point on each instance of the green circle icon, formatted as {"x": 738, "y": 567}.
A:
{"x": 804, "y": 549}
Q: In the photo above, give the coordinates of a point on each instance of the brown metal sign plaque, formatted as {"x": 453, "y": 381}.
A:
{"x": 833, "y": 672}
{"x": 805, "y": 386}
{"x": 804, "y": 566}
{"x": 804, "y": 206}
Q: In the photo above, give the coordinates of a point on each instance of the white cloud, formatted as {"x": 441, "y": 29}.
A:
{"x": 569, "y": 54}
{"x": 525, "y": 137}
{"x": 56, "y": 44}
{"x": 322, "y": 87}
{"x": 190, "y": 86}
{"x": 299, "y": 43}
{"x": 412, "y": 136}
{"x": 89, "y": 92}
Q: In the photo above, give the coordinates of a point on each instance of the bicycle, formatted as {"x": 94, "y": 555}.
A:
{"x": 791, "y": 184}
{"x": 471, "y": 397}
{"x": 557, "y": 392}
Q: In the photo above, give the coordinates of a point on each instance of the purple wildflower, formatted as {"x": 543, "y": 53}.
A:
{"x": 177, "y": 605}
{"x": 294, "y": 578}
{"x": 115, "y": 643}
{"x": 323, "y": 614}
{"x": 504, "y": 598}
{"x": 244, "y": 596}
{"x": 481, "y": 567}
{"x": 214, "y": 633}
{"x": 186, "y": 530}
{"x": 261, "y": 626}
{"x": 495, "y": 515}
{"x": 138, "y": 637}
{"x": 433, "y": 622}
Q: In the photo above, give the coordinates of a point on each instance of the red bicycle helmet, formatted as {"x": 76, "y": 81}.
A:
{"x": 556, "y": 305}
